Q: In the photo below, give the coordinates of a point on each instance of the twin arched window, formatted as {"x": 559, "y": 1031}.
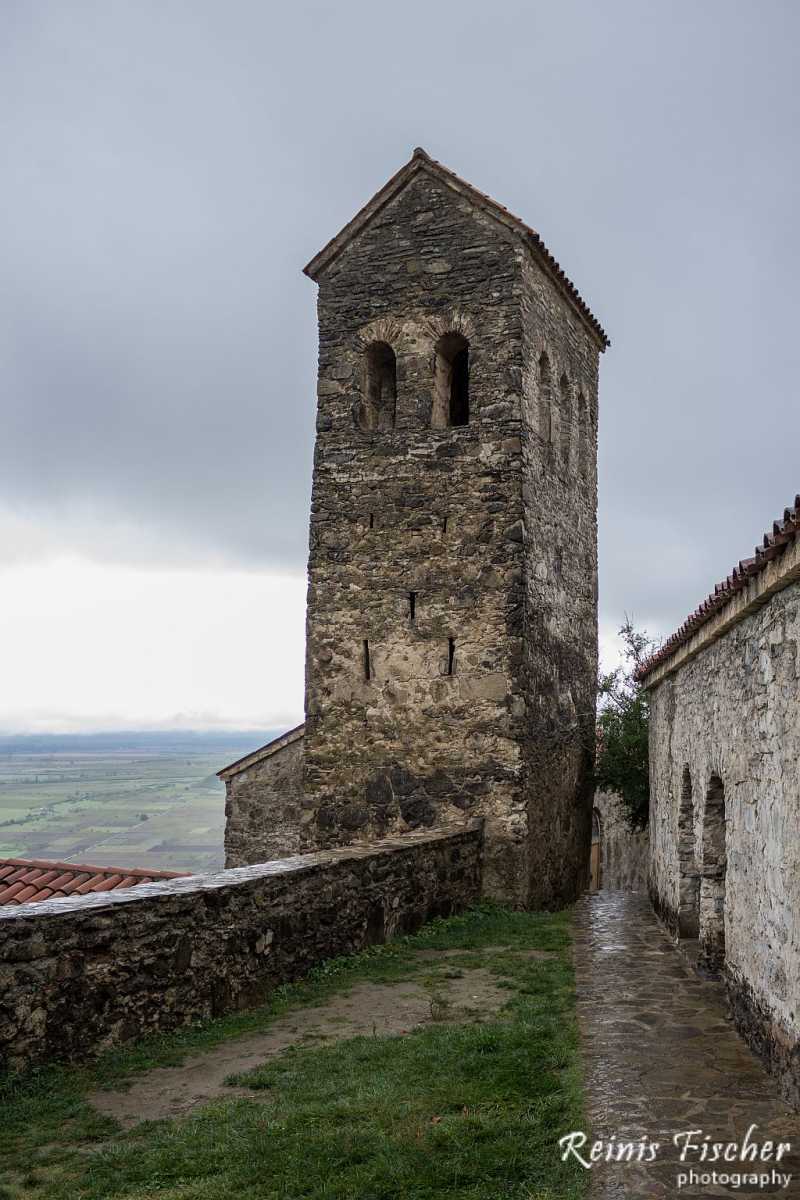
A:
{"x": 450, "y": 407}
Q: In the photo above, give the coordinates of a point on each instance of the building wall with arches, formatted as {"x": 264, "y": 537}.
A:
{"x": 725, "y": 808}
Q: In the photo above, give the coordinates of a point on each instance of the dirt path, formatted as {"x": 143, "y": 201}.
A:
{"x": 366, "y": 1009}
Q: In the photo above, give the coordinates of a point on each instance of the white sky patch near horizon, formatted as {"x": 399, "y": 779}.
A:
{"x": 86, "y": 647}
{"x": 93, "y": 647}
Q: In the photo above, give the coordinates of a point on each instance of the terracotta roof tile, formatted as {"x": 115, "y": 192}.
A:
{"x": 27, "y": 881}
{"x": 783, "y": 533}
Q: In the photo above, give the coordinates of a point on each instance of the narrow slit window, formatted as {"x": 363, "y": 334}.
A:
{"x": 412, "y": 606}
{"x": 372, "y": 520}
{"x": 367, "y": 663}
{"x": 444, "y": 524}
{"x": 450, "y": 382}
{"x": 451, "y": 656}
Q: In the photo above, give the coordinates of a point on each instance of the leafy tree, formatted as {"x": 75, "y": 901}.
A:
{"x": 622, "y": 762}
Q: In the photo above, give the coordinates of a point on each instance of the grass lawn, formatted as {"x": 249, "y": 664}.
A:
{"x": 452, "y": 1111}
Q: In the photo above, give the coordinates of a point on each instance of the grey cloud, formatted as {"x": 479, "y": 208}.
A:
{"x": 169, "y": 169}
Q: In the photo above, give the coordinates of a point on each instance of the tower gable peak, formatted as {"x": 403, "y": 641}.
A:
{"x": 421, "y": 161}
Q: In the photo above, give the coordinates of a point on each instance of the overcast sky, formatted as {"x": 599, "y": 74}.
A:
{"x": 167, "y": 169}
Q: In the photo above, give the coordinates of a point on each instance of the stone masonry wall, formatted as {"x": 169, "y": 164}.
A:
{"x": 560, "y": 419}
{"x": 264, "y": 806}
{"x": 728, "y": 722}
{"x": 624, "y": 856}
{"x": 80, "y": 975}
{"x": 440, "y": 729}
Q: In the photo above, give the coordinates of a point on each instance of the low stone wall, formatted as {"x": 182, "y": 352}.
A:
{"x": 79, "y": 975}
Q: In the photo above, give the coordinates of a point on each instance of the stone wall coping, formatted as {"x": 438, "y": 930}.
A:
{"x": 777, "y": 575}
{"x": 257, "y": 756}
{"x": 217, "y": 881}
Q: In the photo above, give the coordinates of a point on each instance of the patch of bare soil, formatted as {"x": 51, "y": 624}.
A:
{"x": 367, "y": 1009}
{"x": 432, "y": 955}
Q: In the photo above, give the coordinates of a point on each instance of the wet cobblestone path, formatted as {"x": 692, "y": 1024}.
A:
{"x": 661, "y": 1058}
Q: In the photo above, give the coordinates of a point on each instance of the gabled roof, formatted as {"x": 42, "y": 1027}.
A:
{"x": 257, "y": 756}
{"x": 27, "y": 880}
{"x": 422, "y": 162}
{"x": 774, "y": 565}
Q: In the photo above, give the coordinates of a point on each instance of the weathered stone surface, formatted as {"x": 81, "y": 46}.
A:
{"x": 624, "y": 856}
{"x": 452, "y": 639}
{"x": 559, "y": 497}
{"x": 264, "y": 803}
{"x": 725, "y": 811}
{"x": 79, "y": 975}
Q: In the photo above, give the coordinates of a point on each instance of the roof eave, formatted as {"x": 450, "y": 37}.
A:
{"x": 774, "y": 566}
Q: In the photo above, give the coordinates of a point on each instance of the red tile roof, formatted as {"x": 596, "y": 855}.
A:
{"x": 784, "y": 532}
{"x": 421, "y": 161}
{"x": 27, "y": 880}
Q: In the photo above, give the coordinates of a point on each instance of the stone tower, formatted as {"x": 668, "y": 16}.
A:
{"x": 452, "y": 606}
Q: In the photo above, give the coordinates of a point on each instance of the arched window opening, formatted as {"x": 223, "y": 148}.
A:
{"x": 712, "y": 878}
{"x": 545, "y": 399}
{"x": 450, "y": 382}
{"x": 565, "y": 419}
{"x": 596, "y": 859}
{"x": 377, "y": 408}
{"x": 689, "y": 885}
{"x": 583, "y": 436}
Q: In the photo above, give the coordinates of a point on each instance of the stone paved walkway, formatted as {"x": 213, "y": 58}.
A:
{"x": 661, "y": 1057}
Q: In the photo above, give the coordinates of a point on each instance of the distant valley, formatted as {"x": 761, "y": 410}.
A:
{"x": 118, "y": 799}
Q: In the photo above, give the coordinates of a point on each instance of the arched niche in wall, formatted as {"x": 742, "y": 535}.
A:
{"x": 545, "y": 398}
{"x": 689, "y": 883}
{"x": 713, "y": 871}
{"x": 583, "y": 436}
{"x": 565, "y": 419}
